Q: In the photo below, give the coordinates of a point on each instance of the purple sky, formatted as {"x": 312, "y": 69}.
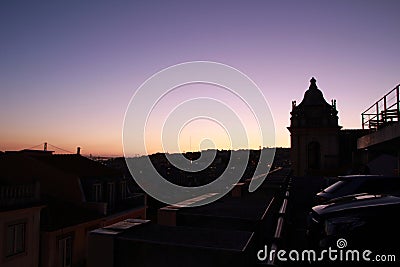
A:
{"x": 68, "y": 70}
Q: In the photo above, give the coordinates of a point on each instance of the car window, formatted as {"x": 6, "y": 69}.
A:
{"x": 336, "y": 186}
{"x": 380, "y": 185}
{"x": 392, "y": 184}
{"x": 370, "y": 186}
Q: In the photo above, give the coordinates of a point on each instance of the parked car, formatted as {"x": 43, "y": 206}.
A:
{"x": 354, "y": 184}
{"x": 364, "y": 220}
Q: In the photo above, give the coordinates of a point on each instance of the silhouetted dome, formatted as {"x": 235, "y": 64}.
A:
{"x": 314, "y": 111}
{"x": 313, "y": 96}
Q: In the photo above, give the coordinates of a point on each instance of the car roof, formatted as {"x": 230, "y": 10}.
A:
{"x": 356, "y": 201}
{"x": 366, "y": 176}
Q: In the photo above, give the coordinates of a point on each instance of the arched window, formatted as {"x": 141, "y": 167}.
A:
{"x": 314, "y": 155}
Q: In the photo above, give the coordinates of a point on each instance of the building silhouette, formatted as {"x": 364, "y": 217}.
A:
{"x": 20, "y": 209}
{"x": 314, "y": 133}
{"x": 227, "y": 232}
{"x": 50, "y": 202}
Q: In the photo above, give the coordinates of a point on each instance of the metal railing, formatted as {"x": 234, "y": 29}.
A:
{"x": 22, "y": 194}
{"x": 383, "y": 112}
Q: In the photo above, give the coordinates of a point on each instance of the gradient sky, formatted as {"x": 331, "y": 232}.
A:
{"x": 68, "y": 69}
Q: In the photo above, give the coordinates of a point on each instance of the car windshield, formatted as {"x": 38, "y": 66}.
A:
{"x": 336, "y": 186}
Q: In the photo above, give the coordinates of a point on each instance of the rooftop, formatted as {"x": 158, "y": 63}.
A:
{"x": 313, "y": 96}
{"x": 61, "y": 214}
{"x": 189, "y": 236}
{"x": 79, "y": 165}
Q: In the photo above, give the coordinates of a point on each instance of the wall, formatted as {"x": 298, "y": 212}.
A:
{"x": 79, "y": 233}
{"x": 29, "y": 258}
{"x": 329, "y": 148}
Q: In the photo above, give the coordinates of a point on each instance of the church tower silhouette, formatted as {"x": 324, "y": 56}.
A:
{"x": 314, "y": 134}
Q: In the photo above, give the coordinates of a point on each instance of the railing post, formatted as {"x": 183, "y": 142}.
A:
{"x": 398, "y": 99}
{"x": 384, "y": 117}
{"x": 362, "y": 120}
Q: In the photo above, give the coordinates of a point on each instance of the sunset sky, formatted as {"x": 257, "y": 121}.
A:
{"x": 69, "y": 69}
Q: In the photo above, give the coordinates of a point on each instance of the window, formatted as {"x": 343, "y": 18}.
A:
{"x": 110, "y": 194}
{"x": 65, "y": 251}
{"x": 380, "y": 185}
{"x": 97, "y": 196}
{"x": 336, "y": 186}
{"x": 15, "y": 239}
{"x": 314, "y": 155}
{"x": 123, "y": 189}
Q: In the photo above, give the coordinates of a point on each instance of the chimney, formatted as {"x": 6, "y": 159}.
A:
{"x": 167, "y": 215}
{"x": 78, "y": 150}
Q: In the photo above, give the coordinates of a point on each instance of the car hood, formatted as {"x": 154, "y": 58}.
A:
{"x": 355, "y": 201}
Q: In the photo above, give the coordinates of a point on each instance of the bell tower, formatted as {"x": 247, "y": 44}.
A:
{"x": 314, "y": 134}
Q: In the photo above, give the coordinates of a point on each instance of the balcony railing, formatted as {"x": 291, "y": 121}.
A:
{"x": 15, "y": 195}
{"x": 383, "y": 112}
{"x": 134, "y": 200}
